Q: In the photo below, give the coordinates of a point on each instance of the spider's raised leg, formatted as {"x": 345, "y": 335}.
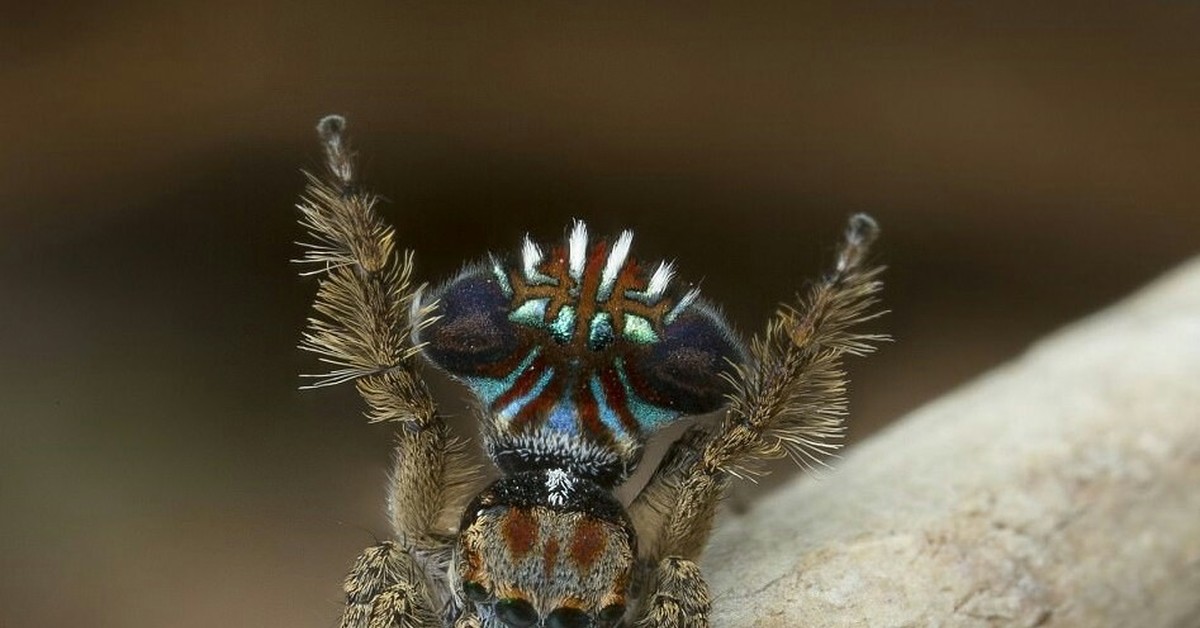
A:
{"x": 674, "y": 592}
{"x": 789, "y": 400}
{"x": 366, "y": 313}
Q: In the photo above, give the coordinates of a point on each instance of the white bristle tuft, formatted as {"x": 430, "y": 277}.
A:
{"x": 683, "y": 304}
{"x": 531, "y": 256}
{"x": 660, "y": 280}
{"x": 578, "y": 250}
{"x": 558, "y": 487}
{"x": 501, "y": 275}
{"x": 616, "y": 260}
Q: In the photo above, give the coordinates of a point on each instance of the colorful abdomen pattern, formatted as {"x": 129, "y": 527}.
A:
{"x": 580, "y": 348}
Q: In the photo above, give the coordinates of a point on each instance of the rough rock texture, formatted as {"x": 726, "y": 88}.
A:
{"x": 1062, "y": 489}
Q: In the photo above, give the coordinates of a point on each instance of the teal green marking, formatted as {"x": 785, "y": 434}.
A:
{"x": 489, "y": 390}
{"x": 564, "y": 324}
{"x": 639, "y": 330}
{"x": 601, "y": 334}
{"x": 531, "y": 312}
{"x": 648, "y": 415}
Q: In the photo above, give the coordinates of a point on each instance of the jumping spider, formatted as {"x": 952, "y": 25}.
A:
{"x": 575, "y": 355}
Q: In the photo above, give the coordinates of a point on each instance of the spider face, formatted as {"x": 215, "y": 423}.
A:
{"x": 545, "y": 548}
{"x": 579, "y": 354}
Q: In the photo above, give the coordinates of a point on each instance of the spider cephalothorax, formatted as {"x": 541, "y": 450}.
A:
{"x": 575, "y": 356}
{"x": 545, "y": 544}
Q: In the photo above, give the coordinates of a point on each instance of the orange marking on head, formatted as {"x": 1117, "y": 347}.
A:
{"x": 520, "y": 530}
{"x": 588, "y": 542}
{"x": 585, "y": 304}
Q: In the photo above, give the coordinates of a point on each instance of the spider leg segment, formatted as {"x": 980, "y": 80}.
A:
{"x": 651, "y": 509}
{"x": 788, "y": 400}
{"x": 678, "y": 597}
{"x": 367, "y": 312}
{"x": 467, "y": 620}
{"x": 386, "y": 588}
{"x": 675, "y": 592}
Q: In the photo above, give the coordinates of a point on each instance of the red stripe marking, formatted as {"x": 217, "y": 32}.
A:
{"x": 538, "y": 408}
{"x": 524, "y": 384}
{"x": 589, "y": 413}
{"x": 501, "y": 368}
{"x": 614, "y": 392}
{"x": 639, "y": 386}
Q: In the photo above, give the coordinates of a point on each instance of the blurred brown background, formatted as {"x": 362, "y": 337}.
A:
{"x": 1029, "y": 163}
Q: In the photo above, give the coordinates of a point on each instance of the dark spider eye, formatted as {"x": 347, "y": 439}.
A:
{"x": 516, "y": 612}
{"x": 567, "y": 617}
{"x": 475, "y": 592}
{"x": 611, "y": 614}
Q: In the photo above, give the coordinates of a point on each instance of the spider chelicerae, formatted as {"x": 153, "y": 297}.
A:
{"x": 575, "y": 354}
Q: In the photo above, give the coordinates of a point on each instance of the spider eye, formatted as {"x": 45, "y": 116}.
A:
{"x": 611, "y": 614}
{"x": 516, "y": 612}
{"x": 475, "y": 592}
{"x": 567, "y": 617}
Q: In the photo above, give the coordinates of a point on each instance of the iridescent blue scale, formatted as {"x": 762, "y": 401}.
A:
{"x": 580, "y": 346}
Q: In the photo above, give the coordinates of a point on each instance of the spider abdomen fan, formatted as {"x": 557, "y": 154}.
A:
{"x": 578, "y": 354}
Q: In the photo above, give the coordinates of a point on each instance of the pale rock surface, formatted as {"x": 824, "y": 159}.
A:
{"x": 1062, "y": 489}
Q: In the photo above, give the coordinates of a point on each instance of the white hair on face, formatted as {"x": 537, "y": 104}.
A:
{"x": 558, "y": 483}
{"x": 659, "y": 280}
{"x": 577, "y": 244}
{"x": 683, "y": 304}
{"x": 531, "y": 256}
{"x": 501, "y": 275}
{"x": 616, "y": 260}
